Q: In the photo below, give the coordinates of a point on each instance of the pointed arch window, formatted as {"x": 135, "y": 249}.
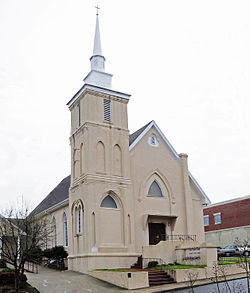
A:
{"x": 155, "y": 190}
{"x": 65, "y": 230}
{"x": 78, "y": 220}
{"x": 100, "y": 157}
{"x": 81, "y": 158}
{"x": 54, "y": 232}
{"x": 117, "y": 160}
{"x": 74, "y": 164}
{"x": 78, "y": 115}
{"x": 109, "y": 202}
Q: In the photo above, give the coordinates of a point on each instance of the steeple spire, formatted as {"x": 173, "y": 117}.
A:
{"x": 97, "y": 43}
{"x": 97, "y": 75}
{"x": 97, "y": 59}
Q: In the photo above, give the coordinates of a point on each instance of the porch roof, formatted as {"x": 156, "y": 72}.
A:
{"x": 146, "y": 216}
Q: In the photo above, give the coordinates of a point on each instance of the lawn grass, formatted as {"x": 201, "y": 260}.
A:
{"x": 116, "y": 270}
{"x": 159, "y": 268}
{"x": 232, "y": 260}
{"x": 177, "y": 267}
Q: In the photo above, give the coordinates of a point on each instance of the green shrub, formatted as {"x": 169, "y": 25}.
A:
{"x": 57, "y": 252}
{"x": 35, "y": 254}
{"x": 152, "y": 264}
{"x": 8, "y": 270}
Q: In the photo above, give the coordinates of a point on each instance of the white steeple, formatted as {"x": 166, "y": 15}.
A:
{"x": 97, "y": 76}
{"x": 97, "y": 60}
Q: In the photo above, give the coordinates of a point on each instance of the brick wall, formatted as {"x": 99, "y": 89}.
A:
{"x": 233, "y": 214}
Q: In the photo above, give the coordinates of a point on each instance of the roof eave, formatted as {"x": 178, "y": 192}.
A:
{"x": 54, "y": 207}
{"x": 98, "y": 89}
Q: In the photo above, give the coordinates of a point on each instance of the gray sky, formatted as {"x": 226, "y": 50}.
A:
{"x": 186, "y": 64}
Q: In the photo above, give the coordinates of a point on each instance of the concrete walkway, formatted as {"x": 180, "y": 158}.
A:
{"x": 51, "y": 281}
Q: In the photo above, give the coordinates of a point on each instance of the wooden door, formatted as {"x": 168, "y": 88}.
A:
{"x": 157, "y": 232}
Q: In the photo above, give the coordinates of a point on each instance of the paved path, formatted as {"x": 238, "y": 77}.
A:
{"x": 51, "y": 281}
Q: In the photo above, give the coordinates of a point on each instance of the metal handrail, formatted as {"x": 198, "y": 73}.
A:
{"x": 180, "y": 237}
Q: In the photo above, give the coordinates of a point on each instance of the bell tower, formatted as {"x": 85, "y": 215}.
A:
{"x": 98, "y": 114}
{"x": 99, "y": 166}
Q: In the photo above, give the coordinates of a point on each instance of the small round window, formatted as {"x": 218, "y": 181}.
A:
{"x": 152, "y": 140}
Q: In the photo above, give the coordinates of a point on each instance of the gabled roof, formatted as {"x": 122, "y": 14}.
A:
{"x": 139, "y": 134}
{"x": 135, "y": 135}
{"x": 57, "y": 195}
{"x": 144, "y": 130}
{"x": 61, "y": 192}
{"x": 13, "y": 222}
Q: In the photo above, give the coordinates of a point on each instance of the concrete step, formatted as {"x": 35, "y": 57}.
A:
{"x": 159, "y": 278}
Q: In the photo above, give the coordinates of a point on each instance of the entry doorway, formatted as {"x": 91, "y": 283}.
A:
{"x": 157, "y": 232}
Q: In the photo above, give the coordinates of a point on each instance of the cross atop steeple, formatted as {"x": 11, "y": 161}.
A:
{"x": 97, "y": 10}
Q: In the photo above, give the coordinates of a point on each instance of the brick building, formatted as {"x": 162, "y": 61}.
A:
{"x": 225, "y": 221}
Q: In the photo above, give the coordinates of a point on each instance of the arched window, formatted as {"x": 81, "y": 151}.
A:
{"x": 93, "y": 229}
{"x": 81, "y": 159}
{"x": 78, "y": 115}
{"x": 78, "y": 220}
{"x": 117, "y": 160}
{"x": 74, "y": 164}
{"x": 65, "y": 230}
{"x": 100, "y": 157}
{"x": 45, "y": 237}
{"x": 109, "y": 202}
{"x": 155, "y": 190}
{"x": 54, "y": 232}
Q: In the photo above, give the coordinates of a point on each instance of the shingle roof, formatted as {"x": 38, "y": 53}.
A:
{"x": 134, "y": 135}
{"x": 61, "y": 191}
{"x": 57, "y": 195}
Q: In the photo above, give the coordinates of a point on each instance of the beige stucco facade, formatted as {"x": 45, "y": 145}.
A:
{"x": 126, "y": 191}
{"x": 103, "y": 163}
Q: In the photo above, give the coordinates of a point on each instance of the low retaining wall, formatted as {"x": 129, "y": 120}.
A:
{"x": 93, "y": 261}
{"x": 206, "y": 273}
{"x": 166, "y": 250}
{"x": 128, "y": 280}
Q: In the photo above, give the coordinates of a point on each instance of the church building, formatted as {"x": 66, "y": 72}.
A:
{"x": 126, "y": 191}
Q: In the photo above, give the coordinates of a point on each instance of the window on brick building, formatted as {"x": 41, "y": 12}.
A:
{"x": 217, "y": 218}
{"x": 206, "y": 220}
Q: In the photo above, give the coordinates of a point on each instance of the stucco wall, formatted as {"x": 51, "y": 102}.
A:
{"x": 183, "y": 275}
{"x": 128, "y": 280}
{"x": 58, "y": 215}
{"x": 159, "y": 163}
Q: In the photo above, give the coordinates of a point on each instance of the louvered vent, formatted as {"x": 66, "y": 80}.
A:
{"x": 107, "y": 114}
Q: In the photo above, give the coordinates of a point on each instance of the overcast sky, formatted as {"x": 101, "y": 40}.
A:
{"x": 185, "y": 63}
